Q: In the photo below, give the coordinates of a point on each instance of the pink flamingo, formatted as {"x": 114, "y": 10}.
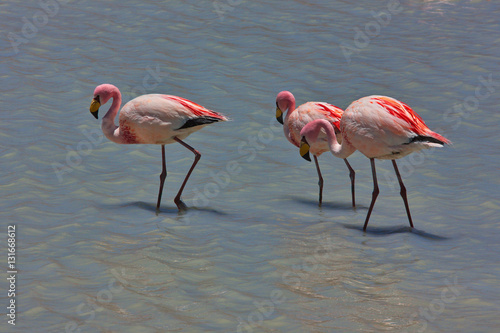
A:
{"x": 379, "y": 127}
{"x": 297, "y": 118}
{"x": 153, "y": 119}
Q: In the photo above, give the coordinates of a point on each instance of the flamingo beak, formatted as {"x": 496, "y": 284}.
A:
{"x": 279, "y": 114}
{"x": 94, "y": 107}
{"x": 304, "y": 149}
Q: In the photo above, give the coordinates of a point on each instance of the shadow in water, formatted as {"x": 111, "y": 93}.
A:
{"x": 195, "y": 209}
{"x": 383, "y": 231}
{"x": 168, "y": 210}
{"x": 150, "y": 207}
{"x": 329, "y": 205}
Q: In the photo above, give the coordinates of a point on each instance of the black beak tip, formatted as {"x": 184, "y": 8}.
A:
{"x": 280, "y": 119}
{"x": 307, "y": 157}
{"x": 95, "y": 114}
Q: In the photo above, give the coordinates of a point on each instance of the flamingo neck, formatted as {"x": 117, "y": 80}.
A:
{"x": 290, "y": 110}
{"x": 110, "y": 130}
{"x": 342, "y": 150}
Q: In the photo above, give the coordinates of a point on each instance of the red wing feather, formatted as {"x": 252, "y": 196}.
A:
{"x": 332, "y": 112}
{"x": 196, "y": 109}
{"x": 405, "y": 113}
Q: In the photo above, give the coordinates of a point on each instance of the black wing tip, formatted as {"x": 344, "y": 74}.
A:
{"x": 205, "y": 120}
{"x": 425, "y": 138}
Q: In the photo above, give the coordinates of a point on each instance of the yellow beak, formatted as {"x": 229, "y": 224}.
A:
{"x": 304, "y": 150}
{"x": 94, "y": 108}
{"x": 279, "y": 115}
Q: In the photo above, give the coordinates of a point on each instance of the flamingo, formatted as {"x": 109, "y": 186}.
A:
{"x": 380, "y": 127}
{"x": 153, "y": 119}
{"x": 297, "y": 118}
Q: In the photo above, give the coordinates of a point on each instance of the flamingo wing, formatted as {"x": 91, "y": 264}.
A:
{"x": 197, "y": 115}
{"x": 330, "y": 112}
{"x": 195, "y": 109}
{"x": 410, "y": 120}
{"x": 308, "y": 112}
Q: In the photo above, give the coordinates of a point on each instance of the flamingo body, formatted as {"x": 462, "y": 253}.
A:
{"x": 157, "y": 119}
{"x": 384, "y": 128}
{"x": 153, "y": 119}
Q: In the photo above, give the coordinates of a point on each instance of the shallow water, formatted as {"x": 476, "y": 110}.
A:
{"x": 255, "y": 253}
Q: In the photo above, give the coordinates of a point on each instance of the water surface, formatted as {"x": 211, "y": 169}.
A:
{"x": 255, "y": 253}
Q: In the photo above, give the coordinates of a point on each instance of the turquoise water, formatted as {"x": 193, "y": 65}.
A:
{"x": 254, "y": 253}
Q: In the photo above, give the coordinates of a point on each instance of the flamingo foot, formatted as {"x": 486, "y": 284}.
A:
{"x": 180, "y": 204}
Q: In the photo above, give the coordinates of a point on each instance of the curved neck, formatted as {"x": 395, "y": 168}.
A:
{"x": 110, "y": 130}
{"x": 286, "y": 129}
{"x": 291, "y": 108}
{"x": 342, "y": 150}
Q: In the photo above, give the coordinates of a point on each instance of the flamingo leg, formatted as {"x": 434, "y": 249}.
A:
{"x": 374, "y": 194}
{"x": 197, "y": 157}
{"x": 320, "y": 182}
{"x": 352, "y": 175}
{"x": 163, "y": 175}
{"x": 403, "y": 192}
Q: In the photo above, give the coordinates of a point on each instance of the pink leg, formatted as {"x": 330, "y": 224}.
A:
{"x": 374, "y": 194}
{"x": 403, "y": 192}
{"x": 197, "y": 157}
{"x": 352, "y": 175}
{"x": 163, "y": 175}
{"x": 320, "y": 182}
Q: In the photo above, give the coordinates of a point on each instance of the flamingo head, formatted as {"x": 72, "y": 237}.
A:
{"x": 284, "y": 102}
{"x": 102, "y": 94}
{"x": 309, "y": 135}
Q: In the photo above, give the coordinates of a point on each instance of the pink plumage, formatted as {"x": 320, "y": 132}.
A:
{"x": 385, "y": 128}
